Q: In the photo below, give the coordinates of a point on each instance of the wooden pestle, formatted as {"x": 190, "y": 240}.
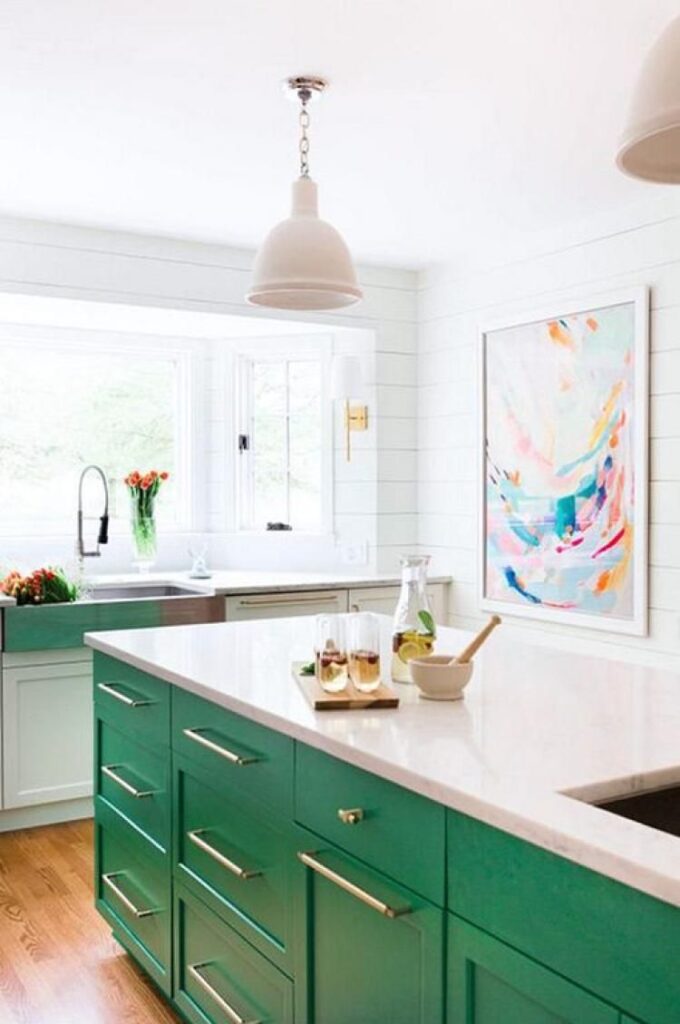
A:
{"x": 468, "y": 652}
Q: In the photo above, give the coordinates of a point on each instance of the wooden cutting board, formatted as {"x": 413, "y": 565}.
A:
{"x": 348, "y": 699}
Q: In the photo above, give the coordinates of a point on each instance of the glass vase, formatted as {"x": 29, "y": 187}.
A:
{"x": 144, "y": 540}
{"x": 414, "y": 629}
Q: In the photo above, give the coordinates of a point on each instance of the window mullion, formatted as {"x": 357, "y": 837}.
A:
{"x": 287, "y": 443}
{"x": 248, "y": 456}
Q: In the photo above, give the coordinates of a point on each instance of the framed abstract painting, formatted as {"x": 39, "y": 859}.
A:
{"x": 564, "y": 451}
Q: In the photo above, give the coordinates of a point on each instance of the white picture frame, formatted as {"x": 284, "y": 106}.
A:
{"x": 635, "y": 623}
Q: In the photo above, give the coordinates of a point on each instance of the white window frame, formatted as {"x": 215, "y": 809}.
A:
{"x": 190, "y": 357}
{"x": 280, "y": 349}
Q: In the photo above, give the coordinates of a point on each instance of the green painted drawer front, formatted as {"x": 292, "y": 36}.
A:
{"x": 220, "y": 978}
{"x": 361, "y": 966}
{"x": 401, "y": 834}
{"x": 614, "y": 941}
{"x": 133, "y": 701}
{"x": 239, "y": 754}
{"x": 490, "y": 983}
{"x": 136, "y": 900}
{"x": 237, "y": 861}
{"x": 134, "y": 781}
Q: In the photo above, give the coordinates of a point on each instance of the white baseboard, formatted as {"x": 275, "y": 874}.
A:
{"x": 45, "y": 814}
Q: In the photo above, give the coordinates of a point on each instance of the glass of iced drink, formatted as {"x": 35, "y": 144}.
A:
{"x": 331, "y": 653}
{"x": 364, "y": 652}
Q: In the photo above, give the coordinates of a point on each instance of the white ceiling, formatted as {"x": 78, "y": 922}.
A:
{"x": 451, "y": 125}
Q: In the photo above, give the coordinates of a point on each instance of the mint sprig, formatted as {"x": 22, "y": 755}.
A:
{"x": 428, "y": 622}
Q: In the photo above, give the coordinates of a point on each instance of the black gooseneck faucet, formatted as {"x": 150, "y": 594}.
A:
{"x": 103, "y": 535}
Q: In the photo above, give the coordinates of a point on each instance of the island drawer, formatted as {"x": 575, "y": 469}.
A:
{"x": 133, "y": 894}
{"x": 219, "y": 977}
{"x": 135, "y": 782}
{"x": 238, "y": 862}
{"x": 240, "y": 755}
{"x": 132, "y": 700}
{"x": 397, "y": 832}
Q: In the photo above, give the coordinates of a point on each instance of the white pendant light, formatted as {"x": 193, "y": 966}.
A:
{"x": 304, "y": 262}
{"x": 650, "y": 146}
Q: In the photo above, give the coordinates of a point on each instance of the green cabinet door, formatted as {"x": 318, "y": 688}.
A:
{"x": 132, "y": 891}
{"x": 491, "y": 983}
{"x": 219, "y": 977}
{"x": 370, "y": 951}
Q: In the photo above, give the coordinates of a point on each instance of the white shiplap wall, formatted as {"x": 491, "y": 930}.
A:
{"x": 451, "y": 311}
{"x": 376, "y": 493}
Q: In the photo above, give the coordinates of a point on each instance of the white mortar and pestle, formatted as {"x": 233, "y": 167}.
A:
{"x": 441, "y": 677}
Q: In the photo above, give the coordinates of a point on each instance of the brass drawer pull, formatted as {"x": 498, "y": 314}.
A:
{"x": 287, "y": 601}
{"x": 128, "y": 701}
{"x": 196, "y": 838}
{"x": 195, "y": 971}
{"x": 125, "y": 900}
{"x": 352, "y": 816}
{"x": 110, "y": 771}
{"x": 229, "y": 755}
{"x": 310, "y": 861}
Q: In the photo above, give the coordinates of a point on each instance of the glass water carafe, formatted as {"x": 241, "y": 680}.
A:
{"x": 414, "y": 628}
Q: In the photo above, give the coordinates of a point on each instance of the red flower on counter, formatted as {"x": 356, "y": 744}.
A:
{"x": 42, "y": 586}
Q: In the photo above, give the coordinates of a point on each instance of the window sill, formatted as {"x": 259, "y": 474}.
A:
{"x": 318, "y": 535}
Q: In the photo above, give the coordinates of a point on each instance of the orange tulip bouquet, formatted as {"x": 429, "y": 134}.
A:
{"x": 143, "y": 489}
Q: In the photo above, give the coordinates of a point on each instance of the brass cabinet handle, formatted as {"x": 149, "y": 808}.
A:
{"x": 229, "y": 755}
{"x": 110, "y": 771}
{"x": 276, "y": 603}
{"x": 352, "y": 816}
{"x": 310, "y": 861}
{"x": 128, "y": 701}
{"x": 196, "y": 838}
{"x": 108, "y": 880}
{"x": 195, "y": 971}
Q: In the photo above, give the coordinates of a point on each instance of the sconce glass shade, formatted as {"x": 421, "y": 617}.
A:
{"x": 303, "y": 262}
{"x": 650, "y": 145}
{"x": 346, "y": 377}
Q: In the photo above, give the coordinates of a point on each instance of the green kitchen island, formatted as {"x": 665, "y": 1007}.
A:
{"x": 431, "y": 864}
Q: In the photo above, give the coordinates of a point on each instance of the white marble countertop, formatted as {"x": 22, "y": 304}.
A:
{"x": 6, "y": 602}
{"x": 246, "y": 581}
{"x": 536, "y": 722}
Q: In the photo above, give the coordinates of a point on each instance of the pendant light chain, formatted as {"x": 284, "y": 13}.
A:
{"x": 304, "y": 96}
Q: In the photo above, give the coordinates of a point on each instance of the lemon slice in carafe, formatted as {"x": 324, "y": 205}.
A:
{"x": 409, "y": 649}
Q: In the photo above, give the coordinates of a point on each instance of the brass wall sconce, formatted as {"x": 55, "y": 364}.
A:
{"x": 346, "y": 380}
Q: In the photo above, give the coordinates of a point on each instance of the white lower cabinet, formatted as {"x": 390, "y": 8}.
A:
{"x": 281, "y": 605}
{"x": 384, "y": 600}
{"x": 46, "y": 727}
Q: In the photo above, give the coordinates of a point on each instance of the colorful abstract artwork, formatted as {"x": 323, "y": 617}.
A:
{"x": 565, "y": 473}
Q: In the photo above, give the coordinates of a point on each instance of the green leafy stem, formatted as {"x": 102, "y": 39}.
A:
{"x": 428, "y": 622}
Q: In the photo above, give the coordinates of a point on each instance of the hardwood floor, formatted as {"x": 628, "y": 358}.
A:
{"x": 58, "y": 961}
